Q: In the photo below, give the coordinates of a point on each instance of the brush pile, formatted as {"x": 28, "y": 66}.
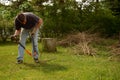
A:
{"x": 80, "y": 43}
{"x": 83, "y": 44}
{"x": 115, "y": 50}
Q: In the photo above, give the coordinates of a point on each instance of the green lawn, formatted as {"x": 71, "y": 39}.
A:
{"x": 64, "y": 66}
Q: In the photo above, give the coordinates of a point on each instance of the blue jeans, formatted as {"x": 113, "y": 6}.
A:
{"x": 23, "y": 36}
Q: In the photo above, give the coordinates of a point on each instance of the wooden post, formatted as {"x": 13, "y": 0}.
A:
{"x": 49, "y": 44}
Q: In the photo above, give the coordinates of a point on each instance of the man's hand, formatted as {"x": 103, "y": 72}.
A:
{"x": 13, "y": 38}
{"x": 32, "y": 34}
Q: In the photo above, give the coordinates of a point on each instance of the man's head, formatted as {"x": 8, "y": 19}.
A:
{"x": 21, "y": 18}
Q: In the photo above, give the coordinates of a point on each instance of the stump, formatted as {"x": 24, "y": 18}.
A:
{"x": 49, "y": 44}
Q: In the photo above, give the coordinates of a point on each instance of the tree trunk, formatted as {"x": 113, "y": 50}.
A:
{"x": 49, "y": 44}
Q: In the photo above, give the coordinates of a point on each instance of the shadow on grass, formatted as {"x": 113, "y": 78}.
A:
{"x": 10, "y": 43}
{"x": 46, "y": 67}
{"x": 7, "y": 43}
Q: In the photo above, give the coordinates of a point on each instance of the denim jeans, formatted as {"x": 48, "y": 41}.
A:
{"x": 23, "y": 36}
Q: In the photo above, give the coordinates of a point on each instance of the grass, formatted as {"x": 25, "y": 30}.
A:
{"x": 64, "y": 66}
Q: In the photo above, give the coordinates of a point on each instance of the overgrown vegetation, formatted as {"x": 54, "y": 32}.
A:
{"x": 91, "y": 44}
{"x": 65, "y": 16}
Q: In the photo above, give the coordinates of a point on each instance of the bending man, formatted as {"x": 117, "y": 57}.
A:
{"x": 27, "y": 24}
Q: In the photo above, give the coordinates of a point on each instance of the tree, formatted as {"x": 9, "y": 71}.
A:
{"x": 114, "y": 6}
{"x": 6, "y": 22}
{"x": 26, "y": 7}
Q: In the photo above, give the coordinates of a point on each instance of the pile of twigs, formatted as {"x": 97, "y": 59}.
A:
{"x": 80, "y": 42}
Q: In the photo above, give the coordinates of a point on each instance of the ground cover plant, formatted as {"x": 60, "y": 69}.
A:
{"x": 63, "y": 65}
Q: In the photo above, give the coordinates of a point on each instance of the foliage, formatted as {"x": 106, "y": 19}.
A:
{"x": 61, "y": 17}
{"x": 114, "y": 5}
{"x": 65, "y": 16}
{"x": 26, "y": 7}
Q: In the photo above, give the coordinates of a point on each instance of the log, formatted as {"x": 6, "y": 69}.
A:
{"x": 49, "y": 44}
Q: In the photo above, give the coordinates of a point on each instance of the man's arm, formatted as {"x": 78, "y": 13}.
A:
{"x": 40, "y": 22}
{"x": 17, "y": 32}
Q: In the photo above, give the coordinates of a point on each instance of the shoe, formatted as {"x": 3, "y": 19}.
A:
{"x": 36, "y": 60}
{"x": 19, "y": 61}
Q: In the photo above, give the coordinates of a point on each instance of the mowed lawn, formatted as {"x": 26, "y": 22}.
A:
{"x": 61, "y": 65}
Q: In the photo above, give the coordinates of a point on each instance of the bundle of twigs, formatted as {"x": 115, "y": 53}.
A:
{"x": 84, "y": 46}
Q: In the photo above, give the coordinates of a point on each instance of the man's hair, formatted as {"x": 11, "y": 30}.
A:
{"x": 21, "y": 17}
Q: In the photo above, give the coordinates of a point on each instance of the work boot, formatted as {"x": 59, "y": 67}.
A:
{"x": 19, "y": 61}
{"x": 36, "y": 60}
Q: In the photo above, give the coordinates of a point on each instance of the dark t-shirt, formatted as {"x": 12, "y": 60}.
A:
{"x": 31, "y": 21}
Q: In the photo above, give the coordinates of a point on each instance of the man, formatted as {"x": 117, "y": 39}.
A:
{"x": 27, "y": 24}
